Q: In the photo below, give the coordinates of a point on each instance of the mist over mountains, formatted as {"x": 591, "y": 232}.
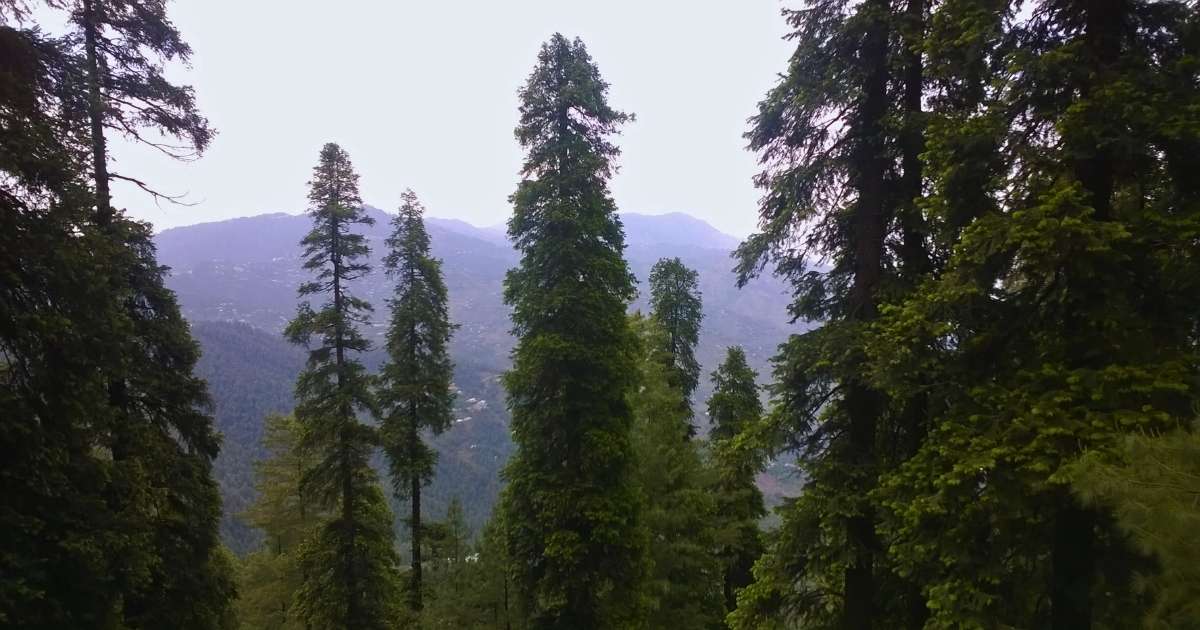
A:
{"x": 236, "y": 281}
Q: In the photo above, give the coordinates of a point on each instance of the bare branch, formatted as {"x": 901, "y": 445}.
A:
{"x": 174, "y": 199}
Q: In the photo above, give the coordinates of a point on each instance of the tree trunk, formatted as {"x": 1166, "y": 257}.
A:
{"x": 104, "y": 213}
{"x": 913, "y": 253}
{"x": 348, "y": 559}
{"x": 862, "y": 404}
{"x": 1074, "y": 527}
{"x": 1072, "y": 565}
{"x": 415, "y": 595}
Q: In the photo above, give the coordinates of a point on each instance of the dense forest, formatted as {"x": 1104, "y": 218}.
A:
{"x": 987, "y": 215}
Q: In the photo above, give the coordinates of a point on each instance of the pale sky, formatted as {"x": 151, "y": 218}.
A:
{"x": 422, "y": 94}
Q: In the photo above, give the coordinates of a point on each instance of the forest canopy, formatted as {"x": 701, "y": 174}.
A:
{"x": 986, "y": 217}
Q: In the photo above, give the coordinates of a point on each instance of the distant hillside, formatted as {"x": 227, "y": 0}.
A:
{"x": 252, "y": 373}
{"x": 247, "y": 270}
{"x": 675, "y": 228}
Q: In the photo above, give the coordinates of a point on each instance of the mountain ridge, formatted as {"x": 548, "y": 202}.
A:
{"x": 670, "y": 228}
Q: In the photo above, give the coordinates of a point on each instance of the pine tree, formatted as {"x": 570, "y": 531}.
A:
{"x": 349, "y": 565}
{"x": 1059, "y": 323}
{"x": 570, "y": 503}
{"x": 684, "y": 581}
{"x": 125, "y": 45}
{"x": 50, "y": 388}
{"x": 287, "y": 516}
{"x": 835, "y": 179}
{"x": 137, "y": 439}
{"x": 414, "y": 385}
{"x": 675, "y": 303}
{"x": 732, "y": 409}
{"x": 160, "y": 437}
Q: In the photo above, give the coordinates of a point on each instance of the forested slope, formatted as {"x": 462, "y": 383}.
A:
{"x": 236, "y": 279}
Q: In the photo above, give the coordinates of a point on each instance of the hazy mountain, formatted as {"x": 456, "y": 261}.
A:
{"x": 246, "y": 270}
{"x": 675, "y": 228}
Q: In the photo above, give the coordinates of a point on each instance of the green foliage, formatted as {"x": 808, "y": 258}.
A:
{"x": 836, "y": 141}
{"x": 1151, "y": 482}
{"x": 414, "y": 383}
{"x": 1060, "y": 323}
{"x": 684, "y": 582}
{"x": 271, "y": 576}
{"x": 349, "y": 563}
{"x": 476, "y": 592}
{"x": 733, "y": 408}
{"x": 675, "y": 303}
{"x": 111, "y": 510}
{"x": 570, "y": 503}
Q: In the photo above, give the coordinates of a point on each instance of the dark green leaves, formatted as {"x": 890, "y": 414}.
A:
{"x": 570, "y": 501}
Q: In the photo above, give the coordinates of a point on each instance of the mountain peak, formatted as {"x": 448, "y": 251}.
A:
{"x": 674, "y": 228}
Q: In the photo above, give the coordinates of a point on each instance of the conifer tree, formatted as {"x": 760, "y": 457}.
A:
{"x": 153, "y": 505}
{"x": 732, "y": 409}
{"x": 833, "y": 163}
{"x": 51, "y": 390}
{"x": 159, "y": 425}
{"x": 570, "y": 504}
{"x": 1058, "y": 324}
{"x": 675, "y": 303}
{"x": 684, "y": 583}
{"x": 125, "y": 45}
{"x": 414, "y": 384}
{"x": 287, "y": 516}
{"x": 349, "y": 565}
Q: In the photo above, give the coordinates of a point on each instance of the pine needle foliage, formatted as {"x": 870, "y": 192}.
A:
{"x": 349, "y": 564}
{"x": 570, "y": 502}
{"x": 414, "y": 383}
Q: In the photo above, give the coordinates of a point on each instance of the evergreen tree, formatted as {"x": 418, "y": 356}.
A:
{"x": 134, "y": 441}
{"x": 58, "y": 542}
{"x": 675, "y": 303}
{"x": 732, "y": 409}
{"x": 159, "y": 427}
{"x": 836, "y": 138}
{"x": 414, "y": 385}
{"x": 477, "y": 592}
{"x": 287, "y": 516}
{"x": 570, "y": 504}
{"x": 349, "y": 565}
{"x": 1060, "y": 322}
{"x": 125, "y": 45}
{"x": 684, "y": 583}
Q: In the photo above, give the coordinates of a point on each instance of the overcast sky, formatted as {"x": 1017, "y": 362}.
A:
{"x": 422, "y": 94}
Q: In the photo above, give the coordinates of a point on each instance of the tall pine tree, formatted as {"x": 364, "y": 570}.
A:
{"x": 684, "y": 582}
{"x": 837, "y": 139}
{"x": 570, "y": 504}
{"x": 58, "y": 323}
{"x": 675, "y": 303}
{"x": 349, "y": 565}
{"x": 414, "y": 384}
{"x": 733, "y": 408}
{"x": 150, "y": 439}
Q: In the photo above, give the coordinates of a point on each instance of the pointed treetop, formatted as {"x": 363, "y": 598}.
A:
{"x": 564, "y": 106}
